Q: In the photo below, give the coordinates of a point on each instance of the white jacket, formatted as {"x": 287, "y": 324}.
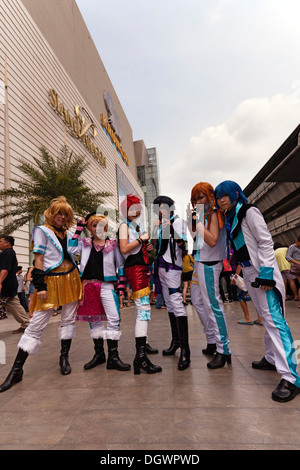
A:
{"x": 112, "y": 257}
{"x": 46, "y": 242}
{"x": 261, "y": 247}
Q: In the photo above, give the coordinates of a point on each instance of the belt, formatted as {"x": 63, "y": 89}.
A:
{"x": 245, "y": 264}
{"x": 63, "y": 273}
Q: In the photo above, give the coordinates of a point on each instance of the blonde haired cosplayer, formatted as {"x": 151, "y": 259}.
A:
{"x": 57, "y": 283}
{"x": 100, "y": 261}
{"x": 101, "y": 219}
{"x": 59, "y": 205}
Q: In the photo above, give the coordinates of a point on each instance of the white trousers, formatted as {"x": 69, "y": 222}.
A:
{"x": 278, "y": 339}
{"x": 30, "y": 340}
{"x": 142, "y": 315}
{"x": 209, "y": 305}
{"x": 170, "y": 283}
{"x": 208, "y": 324}
{"x": 111, "y": 305}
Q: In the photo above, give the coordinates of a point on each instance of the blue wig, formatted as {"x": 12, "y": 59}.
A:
{"x": 229, "y": 188}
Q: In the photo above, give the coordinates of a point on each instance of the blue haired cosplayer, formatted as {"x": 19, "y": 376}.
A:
{"x": 254, "y": 251}
{"x": 229, "y": 188}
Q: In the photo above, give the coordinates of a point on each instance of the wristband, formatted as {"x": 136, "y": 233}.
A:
{"x": 264, "y": 282}
{"x": 121, "y": 286}
{"x": 79, "y": 229}
{"x": 140, "y": 240}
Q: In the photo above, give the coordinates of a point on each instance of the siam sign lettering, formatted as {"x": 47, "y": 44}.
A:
{"x": 107, "y": 127}
{"x": 112, "y": 115}
{"x": 77, "y": 125}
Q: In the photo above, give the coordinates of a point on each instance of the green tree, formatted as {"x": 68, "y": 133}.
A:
{"x": 45, "y": 180}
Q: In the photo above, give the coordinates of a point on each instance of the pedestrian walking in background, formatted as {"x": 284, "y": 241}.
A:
{"x": 9, "y": 283}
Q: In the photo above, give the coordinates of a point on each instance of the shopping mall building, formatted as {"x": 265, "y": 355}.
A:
{"x": 55, "y": 91}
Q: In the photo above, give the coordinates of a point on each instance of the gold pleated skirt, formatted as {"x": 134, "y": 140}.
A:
{"x": 61, "y": 290}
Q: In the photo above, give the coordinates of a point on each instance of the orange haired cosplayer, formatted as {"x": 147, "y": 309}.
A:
{"x": 98, "y": 218}
{"x": 208, "y": 190}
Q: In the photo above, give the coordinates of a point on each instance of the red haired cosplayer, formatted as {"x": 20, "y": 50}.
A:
{"x": 134, "y": 245}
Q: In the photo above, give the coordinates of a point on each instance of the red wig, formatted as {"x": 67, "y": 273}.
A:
{"x": 208, "y": 190}
{"x": 128, "y": 201}
{"x": 204, "y": 188}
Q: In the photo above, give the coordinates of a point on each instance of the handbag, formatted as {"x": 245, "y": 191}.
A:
{"x": 295, "y": 269}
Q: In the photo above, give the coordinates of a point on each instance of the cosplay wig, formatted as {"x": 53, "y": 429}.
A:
{"x": 230, "y": 189}
{"x": 98, "y": 218}
{"x": 130, "y": 200}
{"x": 208, "y": 190}
{"x": 204, "y": 188}
{"x": 163, "y": 200}
{"x": 59, "y": 205}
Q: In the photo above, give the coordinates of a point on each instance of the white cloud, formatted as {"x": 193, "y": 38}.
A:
{"x": 235, "y": 149}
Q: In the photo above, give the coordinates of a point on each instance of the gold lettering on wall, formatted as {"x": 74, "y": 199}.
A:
{"x": 77, "y": 126}
{"x": 114, "y": 139}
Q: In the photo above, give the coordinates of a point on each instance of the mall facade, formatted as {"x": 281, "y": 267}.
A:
{"x": 55, "y": 91}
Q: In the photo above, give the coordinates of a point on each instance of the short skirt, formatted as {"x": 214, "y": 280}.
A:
{"x": 90, "y": 307}
{"x": 62, "y": 289}
{"x": 138, "y": 278}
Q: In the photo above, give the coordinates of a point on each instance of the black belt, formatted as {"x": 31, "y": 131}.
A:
{"x": 62, "y": 273}
{"x": 210, "y": 263}
{"x": 245, "y": 264}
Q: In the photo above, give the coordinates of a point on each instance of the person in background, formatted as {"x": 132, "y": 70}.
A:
{"x": 285, "y": 267}
{"x": 187, "y": 273}
{"x": 9, "y": 283}
{"x": 30, "y": 289}
{"x": 243, "y": 298}
{"x": 21, "y": 288}
{"x": 293, "y": 256}
{"x": 226, "y": 273}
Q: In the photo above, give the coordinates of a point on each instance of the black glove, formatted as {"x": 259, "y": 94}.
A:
{"x": 38, "y": 279}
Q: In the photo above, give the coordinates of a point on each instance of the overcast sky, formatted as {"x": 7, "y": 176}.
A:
{"x": 214, "y": 85}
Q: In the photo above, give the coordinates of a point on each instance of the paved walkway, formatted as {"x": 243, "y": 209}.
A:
{"x": 196, "y": 409}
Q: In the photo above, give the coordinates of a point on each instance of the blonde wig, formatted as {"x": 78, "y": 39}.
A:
{"x": 98, "y": 218}
{"x": 59, "y": 205}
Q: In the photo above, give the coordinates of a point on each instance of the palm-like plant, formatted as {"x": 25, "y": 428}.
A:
{"x": 45, "y": 180}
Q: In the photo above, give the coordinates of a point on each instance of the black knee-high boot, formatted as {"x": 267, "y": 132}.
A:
{"x": 113, "y": 360}
{"x": 99, "y": 356}
{"x": 175, "y": 342}
{"x": 184, "y": 360}
{"x": 141, "y": 361}
{"x": 65, "y": 367}
{"x": 16, "y": 373}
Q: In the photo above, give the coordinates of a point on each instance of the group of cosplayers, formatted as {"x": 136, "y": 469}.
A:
{"x": 219, "y": 218}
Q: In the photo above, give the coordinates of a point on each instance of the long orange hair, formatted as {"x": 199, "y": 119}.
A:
{"x": 208, "y": 190}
